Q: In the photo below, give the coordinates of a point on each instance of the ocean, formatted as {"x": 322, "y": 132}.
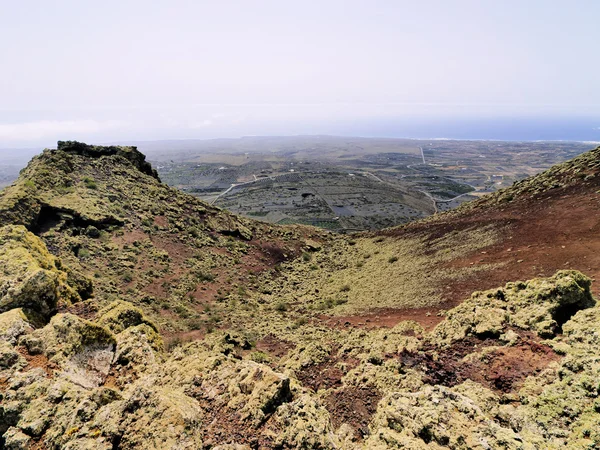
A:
{"x": 501, "y": 129}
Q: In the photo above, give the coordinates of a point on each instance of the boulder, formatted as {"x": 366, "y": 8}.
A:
{"x": 13, "y": 324}
{"x": 120, "y": 315}
{"x": 31, "y": 279}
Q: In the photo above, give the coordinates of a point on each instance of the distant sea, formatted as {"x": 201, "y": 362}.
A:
{"x": 503, "y": 129}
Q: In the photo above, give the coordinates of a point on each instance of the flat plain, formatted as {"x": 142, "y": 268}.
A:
{"x": 348, "y": 184}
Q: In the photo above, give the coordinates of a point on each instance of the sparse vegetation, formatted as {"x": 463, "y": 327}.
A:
{"x": 281, "y": 307}
{"x": 282, "y": 346}
{"x": 90, "y": 183}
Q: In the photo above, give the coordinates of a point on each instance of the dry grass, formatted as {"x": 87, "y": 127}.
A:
{"x": 394, "y": 273}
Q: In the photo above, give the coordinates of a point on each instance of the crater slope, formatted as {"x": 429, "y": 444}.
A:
{"x": 135, "y": 316}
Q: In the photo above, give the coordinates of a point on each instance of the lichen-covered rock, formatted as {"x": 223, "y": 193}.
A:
{"x": 541, "y": 305}
{"x": 82, "y": 349}
{"x": 129, "y": 153}
{"x": 120, "y": 315}
{"x": 439, "y": 417}
{"x": 153, "y": 418}
{"x": 13, "y": 324}
{"x": 88, "y": 444}
{"x": 230, "y": 225}
{"x": 8, "y": 356}
{"x": 301, "y": 424}
{"x": 584, "y": 328}
{"x": 67, "y": 335}
{"x": 257, "y": 391}
{"x": 15, "y": 439}
{"x": 138, "y": 349}
{"x": 30, "y": 278}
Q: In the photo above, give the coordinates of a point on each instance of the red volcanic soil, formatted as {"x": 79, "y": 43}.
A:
{"x": 327, "y": 374}
{"x": 504, "y": 369}
{"x": 556, "y": 230}
{"x": 427, "y": 317}
{"x": 539, "y": 235}
{"x": 354, "y": 406}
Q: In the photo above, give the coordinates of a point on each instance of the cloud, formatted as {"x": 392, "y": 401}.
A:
{"x": 43, "y": 129}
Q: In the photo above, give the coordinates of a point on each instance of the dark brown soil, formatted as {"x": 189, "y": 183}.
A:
{"x": 327, "y": 374}
{"x": 161, "y": 221}
{"x": 86, "y": 310}
{"x": 36, "y": 361}
{"x": 354, "y": 406}
{"x": 503, "y": 369}
{"x": 274, "y": 346}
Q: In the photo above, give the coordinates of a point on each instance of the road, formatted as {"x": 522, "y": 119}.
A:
{"x": 233, "y": 185}
{"x": 435, "y": 208}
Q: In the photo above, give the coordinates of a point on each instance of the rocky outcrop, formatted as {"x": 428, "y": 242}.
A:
{"x": 130, "y": 153}
{"x": 32, "y": 278}
{"x": 542, "y": 305}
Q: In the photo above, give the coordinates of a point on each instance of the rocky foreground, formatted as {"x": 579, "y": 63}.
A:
{"x": 89, "y": 359}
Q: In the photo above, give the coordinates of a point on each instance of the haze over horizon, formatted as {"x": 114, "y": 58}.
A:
{"x": 116, "y": 71}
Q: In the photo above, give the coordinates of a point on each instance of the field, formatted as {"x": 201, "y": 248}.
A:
{"x": 348, "y": 184}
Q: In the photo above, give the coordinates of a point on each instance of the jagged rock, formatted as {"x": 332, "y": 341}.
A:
{"x": 257, "y": 391}
{"x": 120, "y": 315}
{"x": 82, "y": 349}
{"x": 542, "y": 305}
{"x": 130, "y": 153}
{"x": 301, "y": 424}
{"x": 584, "y": 327}
{"x": 229, "y": 225}
{"x": 8, "y": 356}
{"x": 65, "y": 336}
{"x": 13, "y": 324}
{"x": 30, "y": 278}
{"x": 92, "y": 232}
{"x": 87, "y": 444}
{"x": 138, "y": 347}
{"x": 15, "y": 439}
{"x": 438, "y": 416}
{"x": 231, "y": 447}
{"x": 152, "y": 417}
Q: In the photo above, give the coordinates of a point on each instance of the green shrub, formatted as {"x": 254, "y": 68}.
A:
{"x": 259, "y": 357}
{"x": 281, "y": 306}
{"x": 195, "y": 324}
{"x": 393, "y": 259}
{"x": 204, "y": 276}
{"x": 127, "y": 277}
{"x": 299, "y": 322}
{"x": 90, "y": 183}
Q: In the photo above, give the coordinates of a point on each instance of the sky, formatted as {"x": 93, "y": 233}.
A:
{"x": 141, "y": 70}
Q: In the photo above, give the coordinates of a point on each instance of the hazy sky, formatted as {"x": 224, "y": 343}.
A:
{"x": 114, "y": 70}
